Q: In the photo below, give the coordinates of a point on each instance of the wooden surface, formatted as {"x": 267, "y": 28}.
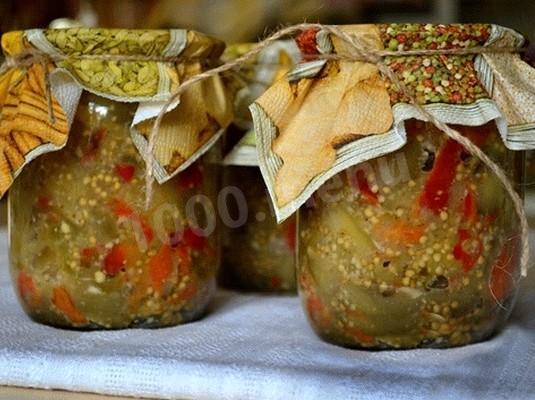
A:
{"x": 12, "y": 393}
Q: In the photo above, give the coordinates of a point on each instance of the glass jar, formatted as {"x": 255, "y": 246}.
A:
{"x": 84, "y": 250}
{"x": 418, "y": 248}
{"x": 259, "y": 253}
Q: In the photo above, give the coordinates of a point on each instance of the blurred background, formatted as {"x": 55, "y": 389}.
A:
{"x": 247, "y": 20}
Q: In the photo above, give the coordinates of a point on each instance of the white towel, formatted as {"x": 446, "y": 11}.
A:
{"x": 257, "y": 347}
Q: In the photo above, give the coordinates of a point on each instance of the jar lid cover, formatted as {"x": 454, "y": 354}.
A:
{"x": 47, "y": 71}
{"x": 331, "y": 113}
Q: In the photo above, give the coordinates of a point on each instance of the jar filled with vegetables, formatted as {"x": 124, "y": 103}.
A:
{"x": 258, "y": 254}
{"x": 87, "y": 250}
{"x": 405, "y": 238}
{"x": 427, "y": 259}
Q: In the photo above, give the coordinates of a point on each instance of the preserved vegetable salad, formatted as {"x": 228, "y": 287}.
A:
{"x": 85, "y": 252}
{"x": 259, "y": 254}
{"x": 404, "y": 239}
{"x": 417, "y": 248}
{"x": 93, "y": 243}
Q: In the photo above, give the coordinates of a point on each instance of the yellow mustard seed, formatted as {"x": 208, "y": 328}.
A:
{"x": 100, "y": 277}
{"x": 64, "y": 227}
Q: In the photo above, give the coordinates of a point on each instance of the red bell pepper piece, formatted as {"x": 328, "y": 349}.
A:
{"x": 64, "y": 303}
{"x": 147, "y": 229}
{"x": 364, "y": 188}
{"x": 435, "y": 195}
{"x": 87, "y": 255}
{"x": 44, "y": 203}
{"x": 315, "y": 307}
{"x": 193, "y": 239}
{"x": 398, "y": 232}
{"x": 361, "y": 336}
{"x": 316, "y": 310}
{"x": 290, "y": 234}
{"x": 116, "y": 259}
{"x": 161, "y": 266}
{"x": 191, "y": 177}
{"x": 436, "y": 190}
{"x": 125, "y": 171}
{"x": 468, "y": 258}
{"x": 122, "y": 209}
{"x": 27, "y": 290}
{"x": 489, "y": 219}
{"x": 469, "y": 207}
{"x": 184, "y": 260}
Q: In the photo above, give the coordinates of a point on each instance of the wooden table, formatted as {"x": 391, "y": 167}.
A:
{"x": 12, "y": 393}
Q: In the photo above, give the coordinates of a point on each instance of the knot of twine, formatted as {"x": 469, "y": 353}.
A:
{"x": 359, "y": 51}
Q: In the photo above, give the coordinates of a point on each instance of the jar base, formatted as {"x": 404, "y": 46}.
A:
{"x": 145, "y": 323}
{"x": 437, "y": 343}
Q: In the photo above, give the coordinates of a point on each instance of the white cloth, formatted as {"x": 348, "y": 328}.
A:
{"x": 257, "y": 347}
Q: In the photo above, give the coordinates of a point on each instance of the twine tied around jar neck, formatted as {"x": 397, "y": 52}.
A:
{"x": 361, "y": 52}
{"x": 358, "y": 51}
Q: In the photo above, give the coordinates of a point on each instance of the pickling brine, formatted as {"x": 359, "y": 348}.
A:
{"x": 85, "y": 252}
{"x": 413, "y": 249}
